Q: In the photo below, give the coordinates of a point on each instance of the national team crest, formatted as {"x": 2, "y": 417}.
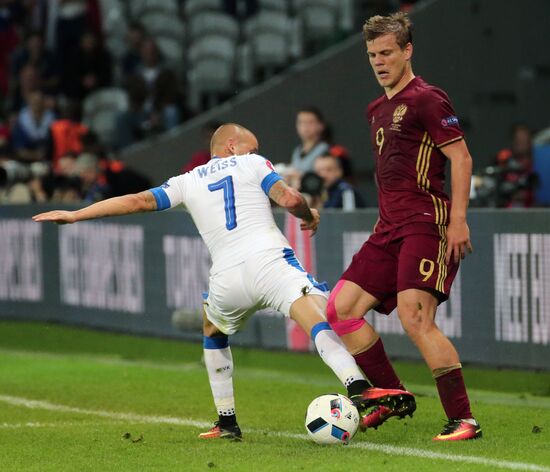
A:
{"x": 399, "y": 113}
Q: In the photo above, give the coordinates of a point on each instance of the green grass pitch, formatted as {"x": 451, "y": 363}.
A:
{"x": 73, "y": 399}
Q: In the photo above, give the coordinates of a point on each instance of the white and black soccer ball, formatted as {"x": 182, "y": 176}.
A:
{"x": 332, "y": 419}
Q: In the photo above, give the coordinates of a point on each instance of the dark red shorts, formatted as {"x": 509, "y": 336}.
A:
{"x": 412, "y": 256}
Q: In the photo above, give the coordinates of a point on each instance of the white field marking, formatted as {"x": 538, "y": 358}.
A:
{"x": 480, "y": 396}
{"x": 132, "y": 417}
{"x": 58, "y": 424}
{"x": 382, "y": 448}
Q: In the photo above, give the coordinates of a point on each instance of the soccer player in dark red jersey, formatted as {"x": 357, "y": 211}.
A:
{"x": 421, "y": 235}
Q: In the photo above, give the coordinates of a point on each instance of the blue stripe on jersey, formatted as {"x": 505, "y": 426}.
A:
{"x": 269, "y": 181}
{"x": 215, "y": 342}
{"x": 323, "y": 325}
{"x": 161, "y": 197}
{"x": 290, "y": 257}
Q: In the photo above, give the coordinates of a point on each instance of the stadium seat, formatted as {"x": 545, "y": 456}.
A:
{"x": 268, "y": 34}
{"x": 273, "y": 5}
{"x": 172, "y": 52}
{"x": 209, "y": 23}
{"x": 139, "y": 7}
{"x": 347, "y": 15}
{"x": 319, "y": 18}
{"x": 112, "y": 16}
{"x": 211, "y": 46}
{"x": 193, "y": 7}
{"x": 163, "y": 24}
{"x": 100, "y": 110}
{"x": 114, "y": 24}
{"x": 211, "y": 72}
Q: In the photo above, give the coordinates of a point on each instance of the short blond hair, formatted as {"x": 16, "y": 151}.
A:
{"x": 398, "y": 24}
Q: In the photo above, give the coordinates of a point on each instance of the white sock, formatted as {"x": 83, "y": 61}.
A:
{"x": 335, "y": 355}
{"x": 219, "y": 364}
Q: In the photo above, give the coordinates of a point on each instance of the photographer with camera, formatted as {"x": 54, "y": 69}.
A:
{"x": 512, "y": 181}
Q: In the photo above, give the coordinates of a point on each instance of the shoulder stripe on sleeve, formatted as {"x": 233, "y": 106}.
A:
{"x": 163, "y": 202}
{"x": 269, "y": 181}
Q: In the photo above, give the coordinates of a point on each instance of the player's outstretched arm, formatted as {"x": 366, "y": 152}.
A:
{"x": 116, "y": 206}
{"x": 295, "y": 203}
{"x": 458, "y": 233}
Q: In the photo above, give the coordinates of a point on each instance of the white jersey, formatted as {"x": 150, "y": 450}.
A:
{"x": 228, "y": 200}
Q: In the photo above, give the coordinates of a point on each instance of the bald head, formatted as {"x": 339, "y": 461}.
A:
{"x": 232, "y": 139}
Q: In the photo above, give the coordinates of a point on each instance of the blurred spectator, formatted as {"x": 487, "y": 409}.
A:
{"x": 164, "y": 112}
{"x": 63, "y": 186}
{"x": 132, "y": 124}
{"x": 67, "y": 133}
{"x": 135, "y": 36}
{"x": 342, "y": 154}
{"x": 121, "y": 180}
{"x": 20, "y": 90}
{"x": 310, "y": 126}
{"x": 92, "y": 145}
{"x": 161, "y": 104}
{"x": 202, "y": 156}
{"x": 66, "y": 21}
{"x": 151, "y": 62}
{"x": 151, "y": 110}
{"x": 340, "y": 194}
{"x": 31, "y": 133}
{"x": 33, "y": 53}
{"x": 65, "y": 189}
{"x": 93, "y": 185}
{"x": 5, "y": 133}
{"x": 8, "y": 42}
{"x": 517, "y": 179}
{"x": 90, "y": 68}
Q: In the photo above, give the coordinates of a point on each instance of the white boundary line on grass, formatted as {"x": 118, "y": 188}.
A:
{"x": 383, "y": 448}
{"x": 58, "y": 424}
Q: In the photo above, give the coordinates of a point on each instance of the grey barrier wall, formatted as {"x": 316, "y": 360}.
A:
{"x": 139, "y": 273}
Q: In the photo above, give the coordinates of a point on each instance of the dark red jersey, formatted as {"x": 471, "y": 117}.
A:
{"x": 408, "y": 132}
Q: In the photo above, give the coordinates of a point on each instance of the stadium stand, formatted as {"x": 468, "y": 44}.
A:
{"x": 100, "y": 110}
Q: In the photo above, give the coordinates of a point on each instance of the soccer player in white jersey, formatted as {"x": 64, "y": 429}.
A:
{"x": 253, "y": 265}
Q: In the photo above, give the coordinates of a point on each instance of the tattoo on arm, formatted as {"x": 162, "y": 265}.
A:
{"x": 291, "y": 200}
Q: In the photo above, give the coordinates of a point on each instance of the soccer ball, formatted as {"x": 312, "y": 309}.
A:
{"x": 332, "y": 419}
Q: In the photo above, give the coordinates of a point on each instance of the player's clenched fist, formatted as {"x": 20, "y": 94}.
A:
{"x": 57, "y": 216}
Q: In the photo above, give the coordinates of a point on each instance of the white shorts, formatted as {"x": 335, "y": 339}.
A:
{"x": 270, "y": 279}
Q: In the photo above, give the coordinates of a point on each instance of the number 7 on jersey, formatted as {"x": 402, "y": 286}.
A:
{"x": 226, "y": 184}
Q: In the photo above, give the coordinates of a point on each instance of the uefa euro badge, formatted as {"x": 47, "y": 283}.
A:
{"x": 398, "y": 115}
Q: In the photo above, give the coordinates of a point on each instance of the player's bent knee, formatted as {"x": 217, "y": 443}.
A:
{"x": 340, "y": 316}
{"x": 339, "y": 309}
{"x": 341, "y": 327}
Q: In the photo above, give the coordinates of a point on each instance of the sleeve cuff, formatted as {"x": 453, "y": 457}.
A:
{"x": 443, "y": 144}
{"x": 270, "y": 180}
{"x": 161, "y": 197}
